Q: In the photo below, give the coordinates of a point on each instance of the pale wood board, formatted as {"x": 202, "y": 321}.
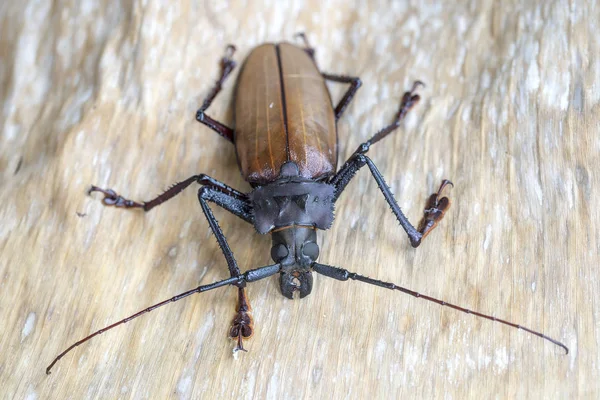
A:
{"x": 100, "y": 92}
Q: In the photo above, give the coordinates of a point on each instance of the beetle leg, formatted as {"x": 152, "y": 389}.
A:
{"x": 307, "y": 47}
{"x": 409, "y": 99}
{"x": 232, "y": 200}
{"x": 433, "y": 214}
{"x": 355, "y": 84}
{"x": 227, "y": 65}
{"x": 436, "y": 207}
{"x": 242, "y": 325}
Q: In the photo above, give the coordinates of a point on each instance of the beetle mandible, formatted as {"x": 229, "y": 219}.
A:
{"x": 286, "y": 144}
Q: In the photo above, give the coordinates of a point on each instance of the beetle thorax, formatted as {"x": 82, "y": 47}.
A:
{"x": 292, "y": 201}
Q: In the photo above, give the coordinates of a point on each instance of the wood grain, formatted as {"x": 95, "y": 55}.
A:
{"x": 98, "y": 92}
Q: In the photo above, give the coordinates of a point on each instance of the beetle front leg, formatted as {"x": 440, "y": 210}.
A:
{"x": 436, "y": 206}
{"x": 242, "y": 326}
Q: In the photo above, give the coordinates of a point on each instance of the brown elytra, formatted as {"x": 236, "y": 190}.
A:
{"x": 283, "y": 112}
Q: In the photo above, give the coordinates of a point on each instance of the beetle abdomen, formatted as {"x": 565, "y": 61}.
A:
{"x": 283, "y": 112}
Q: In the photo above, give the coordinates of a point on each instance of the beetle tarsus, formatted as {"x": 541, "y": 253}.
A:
{"x": 229, "y": 51}
{"x": 112, "y": 198}
{"x": 409, "y": 99}
{"x": 242, "y": 326}
{"x": 436, "y": 207}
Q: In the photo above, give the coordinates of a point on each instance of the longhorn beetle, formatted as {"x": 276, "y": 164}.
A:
{"x": 286, "y": 144}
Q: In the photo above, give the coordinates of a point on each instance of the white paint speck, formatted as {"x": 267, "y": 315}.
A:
{"x": 29, "y": 325}
{"x": 271, "y": 105}
{"x": 533, "y": 286}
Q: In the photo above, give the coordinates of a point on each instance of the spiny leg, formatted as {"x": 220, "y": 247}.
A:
{"x": 238, "y": 200}
{"x": 347, "y": 171}
{"x": 227, "y": 65}
{"x": 242, "y": 326}
{"x": 224, "y": 196}
{"x": 433, "y": 214}
{"x": 248, "y": 276}
{"x": 351, "y": 167}
{"x": 409, "y": 100}
{"x": 437, "y": 206}
{"x": 343, "y": 275}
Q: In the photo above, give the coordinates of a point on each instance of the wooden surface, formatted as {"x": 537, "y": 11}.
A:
{"x": 105, "y": 93}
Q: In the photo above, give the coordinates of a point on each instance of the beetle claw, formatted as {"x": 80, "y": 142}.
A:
{"x": 436, "y": 207}
{"x": 416, "y": 85}
{"x": 242, "y": 326}
{"x": 230, "y": 51}
{"x": 112, "y": 198}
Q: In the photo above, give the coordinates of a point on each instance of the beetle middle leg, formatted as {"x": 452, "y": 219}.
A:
{"x": 242, "y": 326}
{"x": 233, "y": 200}
{"x": 227, "y": 65}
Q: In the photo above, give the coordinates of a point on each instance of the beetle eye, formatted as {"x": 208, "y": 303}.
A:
{"x": 311, "y": 250}
{"x": 279, "y": 252}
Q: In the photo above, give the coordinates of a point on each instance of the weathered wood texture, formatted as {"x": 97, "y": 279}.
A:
{"x": 105, "y": 93}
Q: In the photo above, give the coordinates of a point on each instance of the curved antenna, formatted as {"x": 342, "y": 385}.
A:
{"x": 248, "y": 276}
{"x": 343, "y": 275}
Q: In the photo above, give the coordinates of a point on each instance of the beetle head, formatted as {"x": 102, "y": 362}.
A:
{"x": 296, "y": 249}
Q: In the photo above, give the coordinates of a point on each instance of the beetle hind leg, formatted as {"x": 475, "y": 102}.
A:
{"x": 227, "y": 65}
{"x": 307, "y": 47}
{"x": 242, "y": 326}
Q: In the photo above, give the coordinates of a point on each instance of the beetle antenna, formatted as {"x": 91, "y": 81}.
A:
{"x": 343, "y": 275}
{"x": 248, "y": 276}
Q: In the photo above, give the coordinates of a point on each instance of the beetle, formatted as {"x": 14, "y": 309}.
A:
{"x": 286, "y": 144}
